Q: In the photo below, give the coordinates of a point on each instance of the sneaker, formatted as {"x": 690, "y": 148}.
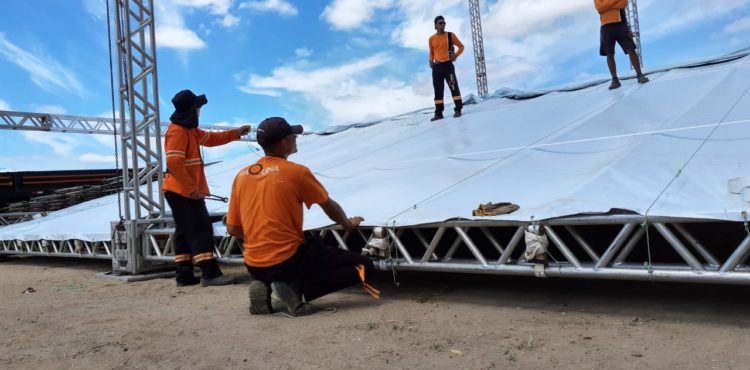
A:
{"x": 188, "y": 281}
{"x": 457, "y": 114}
{"x": 436, "y": 117}
{"x": 260, "y": 298}
{"x": 289, "y": 295}
{"x": 218, "y": 281}
{"x": 642, "y": 79}
{"x": 615, "y": 85}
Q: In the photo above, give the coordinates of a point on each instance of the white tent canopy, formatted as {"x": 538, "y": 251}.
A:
{"x": 666, "y": 148}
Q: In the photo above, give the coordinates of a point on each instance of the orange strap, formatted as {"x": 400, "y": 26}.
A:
{"x": 368, "y": 288}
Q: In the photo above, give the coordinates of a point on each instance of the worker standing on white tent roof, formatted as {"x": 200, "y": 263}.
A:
{"x": 185, "y": 187}
{"x": 442, "y": 56}
{"x": 265, "y": 210}
{"x": 615, "y": 29}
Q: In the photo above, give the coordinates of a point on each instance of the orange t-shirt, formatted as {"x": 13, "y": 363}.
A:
{"x": 266, "y": 202}
{"x": 439, "y": 47}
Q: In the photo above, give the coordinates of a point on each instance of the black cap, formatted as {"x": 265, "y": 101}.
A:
{"x": 186, "y": 102}
{"x": 438, "y": 18}
{"x": 274, "y": 129}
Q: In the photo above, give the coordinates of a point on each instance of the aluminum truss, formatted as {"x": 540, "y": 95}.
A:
{"x": 606, "y": 247}
{"x": 635, "y": 27}
{"x": 11, "y": 218}
{"x": 612, "y": 247}
{"x": 140, "y": 130}
{"x": 476, "y": 38}
{"x": 25, "y": 121}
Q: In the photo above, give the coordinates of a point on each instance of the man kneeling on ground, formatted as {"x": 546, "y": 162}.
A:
{"x": 265, "y": 210}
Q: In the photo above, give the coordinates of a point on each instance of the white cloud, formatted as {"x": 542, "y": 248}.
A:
{"x": 349, "y": 14}
{"x": 353, "y": 91}
{"x": 171, "y": 29}
{"x": 4, "y": 105}
{"x": 218, "y": 7}
{"x": 97, "y": 158}
{"x": 281, "y": 7}
{"x": 51, "y": 109}
{"x": 178, "y": 38}
{"x": 229, "y": 21}
{"x": 60, "y": 144}
{"x": 681, "y": 15}
{"x": 738, "y": 25}
{"x": 44, "y": 71}
{"x": 96, "y": 8}
{"x": 302, "y": 52}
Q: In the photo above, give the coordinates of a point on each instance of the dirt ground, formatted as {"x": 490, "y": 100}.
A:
{"x": 430, "y": 321}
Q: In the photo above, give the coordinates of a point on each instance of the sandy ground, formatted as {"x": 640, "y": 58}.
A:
{"x": 430, "y": 321}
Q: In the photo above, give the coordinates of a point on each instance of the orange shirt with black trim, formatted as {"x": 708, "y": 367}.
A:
{"x": 184, "y": 163}
{"x": 266, "y": 202}
{"x": 439, "y": 47}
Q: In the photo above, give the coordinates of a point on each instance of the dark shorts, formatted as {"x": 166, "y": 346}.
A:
{"x": 615, "y": 32}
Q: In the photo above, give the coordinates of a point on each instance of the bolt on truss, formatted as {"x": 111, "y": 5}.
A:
{"x": 476, "y": 38}
{"x": 25, "y": 121}
{"x": 635, "y": 27}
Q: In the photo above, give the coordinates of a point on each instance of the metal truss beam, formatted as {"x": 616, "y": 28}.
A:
{"x": 635, "y": 27}
{"x": 25, "y": 121}
{"x": 478, "y": 42}
{"x": 608, "y": 247}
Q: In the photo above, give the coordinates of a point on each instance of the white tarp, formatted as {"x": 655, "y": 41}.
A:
{"x": 566, "y": 152}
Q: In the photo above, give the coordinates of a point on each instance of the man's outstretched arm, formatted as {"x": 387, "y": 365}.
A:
{"x": 334, "y": 211}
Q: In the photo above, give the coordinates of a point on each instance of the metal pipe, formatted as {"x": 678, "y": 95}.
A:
{"x": 739, "y": 255}
{"x": 625, "y": 252}
{"x": 615, "y": 246}
{"x": 685, "y": 276}
{"x": 703, "y": 251}
{"x": 472, "y": 247}
{"x": 569, "y": 256}
{"x": 491, "y": 239}
{"x": 678, "y": 246}
{"x": 512, "y": 244}
{"x": 433, "y": 244}
{"x": 586, "y": 247}
{"x": 453, "y": 248}
{"x": 400, "y": 245}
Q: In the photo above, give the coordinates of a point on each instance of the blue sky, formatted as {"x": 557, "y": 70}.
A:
{"x": 316, "y": 62}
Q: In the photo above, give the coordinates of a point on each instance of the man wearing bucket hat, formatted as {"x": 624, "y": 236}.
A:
{"x": 265, "y": 210}
{"x": 185, "y": 187}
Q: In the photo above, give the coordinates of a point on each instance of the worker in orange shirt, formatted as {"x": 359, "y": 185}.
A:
{"x": 265, "y": 210}
{"x": 615, "y": 29}
{"x": 442, "y": 56}
{"x": 185, "y": 188}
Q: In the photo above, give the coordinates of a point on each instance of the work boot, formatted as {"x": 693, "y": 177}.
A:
{"x": 218, "y": 281}
{"x": 290, "y": 296}
{"x": 642, "y": 79}
{"x": 436, "y": 117}
{"x": 615, "y": 84}
{"x": 187, "y": 281}
{"x": 457, "y": 114}
{"x": 260, "y": 298}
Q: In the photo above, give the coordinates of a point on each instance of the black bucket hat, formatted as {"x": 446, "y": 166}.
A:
{"x": 185, "y": 103}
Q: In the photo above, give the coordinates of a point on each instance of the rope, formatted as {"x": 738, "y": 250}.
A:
{"x": 112, "y": 94}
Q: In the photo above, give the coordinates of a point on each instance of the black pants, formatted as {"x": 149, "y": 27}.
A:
{"x": 441, "y": 73}
{"x": 320, "y": 269}
{"x": 193, "y": 237}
